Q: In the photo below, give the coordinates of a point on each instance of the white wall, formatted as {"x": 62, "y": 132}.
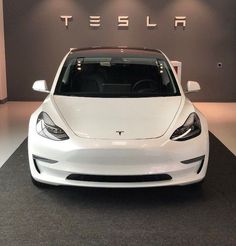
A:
{"x": 3, "y": 85}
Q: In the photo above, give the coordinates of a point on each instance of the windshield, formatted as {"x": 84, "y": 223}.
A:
{"x": 116, "y": 77}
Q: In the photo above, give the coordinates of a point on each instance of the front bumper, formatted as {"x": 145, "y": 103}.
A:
{"x": 103, "y": 160}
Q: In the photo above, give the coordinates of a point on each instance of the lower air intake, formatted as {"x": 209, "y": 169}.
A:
{"x": 119, "y": 178}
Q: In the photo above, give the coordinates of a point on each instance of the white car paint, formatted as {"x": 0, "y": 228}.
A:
{"x": 94, "y": 147}
{"x": 102, "y": 121}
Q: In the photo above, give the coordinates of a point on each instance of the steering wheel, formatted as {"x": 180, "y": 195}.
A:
{"x": 144, "y": 85}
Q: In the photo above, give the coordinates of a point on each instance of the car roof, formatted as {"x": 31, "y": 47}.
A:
{"x": 123, "y": 51}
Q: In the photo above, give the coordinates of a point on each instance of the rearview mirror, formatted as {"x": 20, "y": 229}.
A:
{"x": 193, "y": 86}
{"x": 40, "y": 85}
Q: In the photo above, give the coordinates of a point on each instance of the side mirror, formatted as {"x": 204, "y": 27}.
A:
{"x": 192, "y": 86}
{"x": 40, "y": 85}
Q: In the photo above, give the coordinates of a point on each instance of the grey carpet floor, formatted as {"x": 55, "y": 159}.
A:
{"x": 86, "y": 216}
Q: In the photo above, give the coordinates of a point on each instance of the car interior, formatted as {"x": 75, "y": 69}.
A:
{"x": 116, "y": 79}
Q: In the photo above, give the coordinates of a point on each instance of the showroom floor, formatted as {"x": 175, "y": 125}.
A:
{"x": 15, "y": 115}
{"x": 13, "y": 126}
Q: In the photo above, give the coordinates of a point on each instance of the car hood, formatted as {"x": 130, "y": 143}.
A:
{"x": 118, "y": 118}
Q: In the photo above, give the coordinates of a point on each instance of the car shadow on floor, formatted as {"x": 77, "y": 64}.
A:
{"x": 129, "y": 197}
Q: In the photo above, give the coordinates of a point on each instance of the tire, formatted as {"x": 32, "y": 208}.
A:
{"x": 197, "y": 185}
{"x": 39, "y": 184}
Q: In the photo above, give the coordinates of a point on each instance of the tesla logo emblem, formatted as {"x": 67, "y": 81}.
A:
{"x": 95, "y": 21}
{"x": 119, "y": 132}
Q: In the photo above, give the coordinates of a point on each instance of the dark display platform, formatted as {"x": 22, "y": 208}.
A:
{"x": 89, "y": 216}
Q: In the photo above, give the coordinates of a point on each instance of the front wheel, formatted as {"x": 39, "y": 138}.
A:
{"x": 39, "y": 184}
{"x": 197, "y": 185}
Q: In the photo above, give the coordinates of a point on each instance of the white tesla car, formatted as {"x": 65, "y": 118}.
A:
{"x": 117, "y": 117}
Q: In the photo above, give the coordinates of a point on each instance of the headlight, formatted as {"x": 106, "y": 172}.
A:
{"x": 190, "y": 129}
{"x": 46, "y": 128}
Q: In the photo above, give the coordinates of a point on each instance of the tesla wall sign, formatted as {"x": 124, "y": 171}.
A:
{"x": 123, "y": 21}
